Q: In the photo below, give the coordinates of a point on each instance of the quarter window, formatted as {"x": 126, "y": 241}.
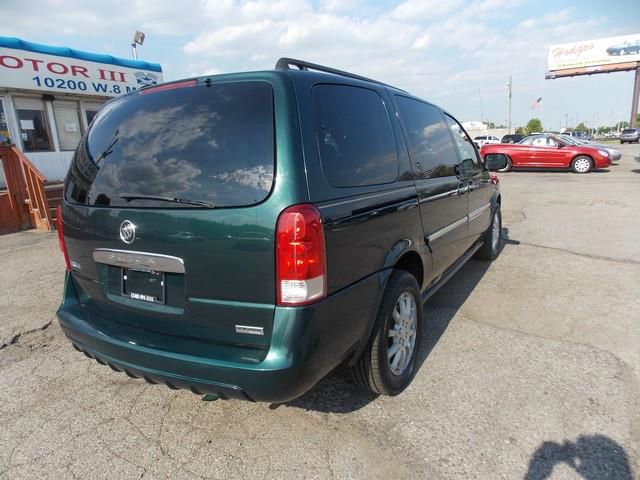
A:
{"x": 432, "y": 150}
{"x": 356, "y": 143}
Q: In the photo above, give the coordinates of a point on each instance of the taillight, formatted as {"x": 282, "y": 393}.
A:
{"x": 301, "y": 272}
{"x": 63, "y": 244}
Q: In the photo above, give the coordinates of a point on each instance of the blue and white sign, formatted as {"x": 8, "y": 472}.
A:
{"x": 32, "y": 66}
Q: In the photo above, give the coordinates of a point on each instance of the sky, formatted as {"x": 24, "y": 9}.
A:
{"x": 455, "y": 53}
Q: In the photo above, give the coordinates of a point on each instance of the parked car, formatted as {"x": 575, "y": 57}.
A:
{"x": 579, "y": 135}
{"x": 512, "y": 138}
{"x": 614, "y": 154}
{"x": 243, "y": 235}
{"x": 481, "y": 140}
{"x": 624, "y": 48}
{"x": 550, "y": 151}
{"x": 630, "y": 135}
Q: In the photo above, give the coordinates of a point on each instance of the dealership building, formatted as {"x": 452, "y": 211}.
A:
{"x": 49, "y": 95}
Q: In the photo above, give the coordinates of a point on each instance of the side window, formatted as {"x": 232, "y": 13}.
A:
{"x": 356, "y": 142}
{"x": 431, "y": 148}
{"x": 468, "y": 157}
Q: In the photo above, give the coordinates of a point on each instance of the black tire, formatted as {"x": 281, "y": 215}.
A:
{"x": 490, "y": 250}
{"x": 576, "y": 162}
{"x": 372, "y": 372}
{"x": 507, "y": 168}
{"x": 621, "y": 142}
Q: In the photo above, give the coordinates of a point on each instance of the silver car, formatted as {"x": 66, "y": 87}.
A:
{"x": 631, "y": 135}
{"x": 614, "y": 154}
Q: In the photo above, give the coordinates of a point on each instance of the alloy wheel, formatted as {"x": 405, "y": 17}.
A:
{"x": 582, "y": 165}
{"x": 495, "y": 232}
{"x": 402, "y": 334}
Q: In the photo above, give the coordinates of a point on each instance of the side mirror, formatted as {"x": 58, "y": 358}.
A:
{"x": 495, "y": 161}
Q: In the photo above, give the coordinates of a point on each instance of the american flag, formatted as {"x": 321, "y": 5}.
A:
{"x": 536, "y": 104}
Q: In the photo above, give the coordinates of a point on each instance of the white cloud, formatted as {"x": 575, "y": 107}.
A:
{"x": 412, "y": 10}
{"x": 422, "y": 41}
{"x": 442, "y": 50}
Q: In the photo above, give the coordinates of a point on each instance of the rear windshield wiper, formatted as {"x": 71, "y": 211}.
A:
{"x": 140, "y": 196}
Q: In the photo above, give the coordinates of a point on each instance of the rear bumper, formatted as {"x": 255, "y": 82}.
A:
{"x": 307, "y": 344}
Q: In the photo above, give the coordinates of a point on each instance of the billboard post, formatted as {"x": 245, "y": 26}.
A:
{"x": 603, "y": 55}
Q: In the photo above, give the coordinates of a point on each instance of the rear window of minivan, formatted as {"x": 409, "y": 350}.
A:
{"x": 208, "y": 143}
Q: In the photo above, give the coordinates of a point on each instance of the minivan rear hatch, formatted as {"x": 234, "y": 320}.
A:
{"x": 165, "y": 216}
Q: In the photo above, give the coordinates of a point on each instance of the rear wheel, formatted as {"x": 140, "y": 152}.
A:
{"x": 507, "y": 167}
{"x": 581, "y": 164}
{"x": 388, "y": 364}
{"x": 492, "y": 238}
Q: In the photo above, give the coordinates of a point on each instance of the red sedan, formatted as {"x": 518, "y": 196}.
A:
{"x": 550, "y": 151}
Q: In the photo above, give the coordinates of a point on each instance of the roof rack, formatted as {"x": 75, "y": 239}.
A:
{"x": 285, "y": 63}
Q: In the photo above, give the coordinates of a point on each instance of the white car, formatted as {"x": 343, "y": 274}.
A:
{"x": 481, "y": 140}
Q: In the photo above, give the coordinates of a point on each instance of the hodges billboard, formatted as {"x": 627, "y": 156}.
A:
{"x": 594, "y": 56}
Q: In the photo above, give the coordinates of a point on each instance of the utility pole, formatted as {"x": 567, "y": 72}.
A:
{"x": 566, "y": 121}
{"x": 634, "y": 103}
{"x": 509, "y": 87}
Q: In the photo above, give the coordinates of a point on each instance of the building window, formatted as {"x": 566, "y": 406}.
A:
{"x": 33, "y": 125}
{"x": 90, "y": 115}
{"x": 90, "y": 111}
{"x": 4, "y": 126}
{"x": 67, "y": 115}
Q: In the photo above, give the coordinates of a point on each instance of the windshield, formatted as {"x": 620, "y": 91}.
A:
{"x": 198, "y": 145}
{"x": 629, "y": 130}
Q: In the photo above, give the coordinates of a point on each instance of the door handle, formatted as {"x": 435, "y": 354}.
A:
{"x": 462, "y": 188}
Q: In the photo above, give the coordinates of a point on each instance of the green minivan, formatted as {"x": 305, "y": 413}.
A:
{"x": 242, "y": 235}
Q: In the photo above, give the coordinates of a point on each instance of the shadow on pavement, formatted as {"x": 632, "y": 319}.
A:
{"x": 338, "y": 394}
{"x": 592, "y": 457}
{"x": 554, "y": 170}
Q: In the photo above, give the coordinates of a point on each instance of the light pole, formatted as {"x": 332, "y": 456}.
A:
{"x": 138, "y": 39}
{"x": 509, "y": 87}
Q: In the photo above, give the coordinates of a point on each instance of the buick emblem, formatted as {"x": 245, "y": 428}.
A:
{"x": 127, "y": 232}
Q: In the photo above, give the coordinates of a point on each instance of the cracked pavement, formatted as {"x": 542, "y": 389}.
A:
{"x": 531, "y": 369}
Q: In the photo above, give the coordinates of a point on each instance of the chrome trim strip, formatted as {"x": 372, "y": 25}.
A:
{"x": 139, "y": 260}
{"x": 478, "y": 211}
{"x": 375, "y": 195}
{"x": 449, "y": 228}
{"x": 439, "y": 196}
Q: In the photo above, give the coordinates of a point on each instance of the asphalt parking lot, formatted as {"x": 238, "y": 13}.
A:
{"x": 531, "y": 371}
